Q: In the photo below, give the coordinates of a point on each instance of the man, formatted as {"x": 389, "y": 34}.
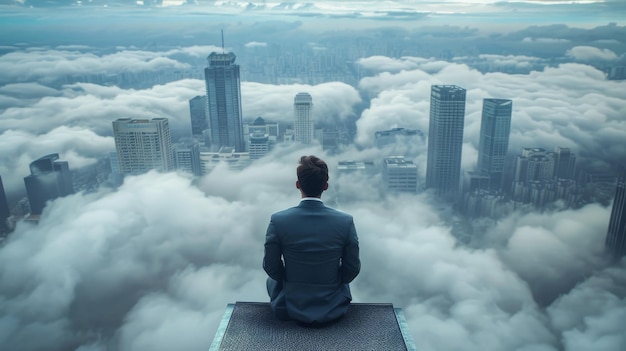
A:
{"x": 319, "y": 248}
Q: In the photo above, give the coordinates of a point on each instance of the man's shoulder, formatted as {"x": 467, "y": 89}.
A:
{"x": 284, "y": 212}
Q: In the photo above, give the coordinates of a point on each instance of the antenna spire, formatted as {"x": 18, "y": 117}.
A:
{"x": 223, "y": 50}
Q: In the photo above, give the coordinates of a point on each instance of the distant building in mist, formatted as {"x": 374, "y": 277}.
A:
{"x": 116, "y": 177}
{"x": 260, "y": 125}
{"x": 303, "y": 122}
{"x": 331, "y": 140}
{"x": 392, "y": 136}
{"x": 143, "y": 145}
{"x": 536, "y": 177}
{"x": 445, "y": 140}
{"x": 262, "y": 137}
{"x": 533, "y": 164}
{"x": 616, "y": 234}
{"x": 223, "y": 88}
{"x": 187, "y": 157}
{"x": 225, "y": 156}
{"x": 564, "y": 163}
{"x": 495, "y": 129}
{"x": 49, "y": 179}
{"x": 399, "y": 174}
{"x": 199, "y": 113}
{"x": 363, "y": 167}
{"x": 5, "y": 212}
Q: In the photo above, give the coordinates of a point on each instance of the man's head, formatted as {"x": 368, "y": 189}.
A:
{"x": 312, "y": 176}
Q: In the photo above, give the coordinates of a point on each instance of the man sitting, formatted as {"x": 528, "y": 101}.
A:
{"x": 311, "y": 253}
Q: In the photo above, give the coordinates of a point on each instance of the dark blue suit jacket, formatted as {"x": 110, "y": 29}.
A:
{"x": 314, "y": 251}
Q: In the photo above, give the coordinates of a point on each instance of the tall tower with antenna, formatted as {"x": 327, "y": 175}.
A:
{"x": 223, "y": 87}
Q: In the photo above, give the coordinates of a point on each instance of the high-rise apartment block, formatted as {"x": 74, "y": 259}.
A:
{"x": 49, "y": 179}
{"x": 400, "y": 174}
{"x": 143, "y": 145}
{"x": 616, "y": 235}
{"x": 445, "y": 140}
{"x": 495, "y": 129}
{"x": 303, "y": 123}
{"x": 223, "y": 88}
{"x": 199, "y": 113}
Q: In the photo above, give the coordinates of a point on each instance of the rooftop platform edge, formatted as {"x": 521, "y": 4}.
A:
{"x": 366, "y": 326}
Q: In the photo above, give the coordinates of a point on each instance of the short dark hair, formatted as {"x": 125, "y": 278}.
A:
{"x": 312, "y": 175}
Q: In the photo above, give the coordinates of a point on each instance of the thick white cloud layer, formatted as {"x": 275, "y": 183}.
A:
{"x": 153, "y": 265}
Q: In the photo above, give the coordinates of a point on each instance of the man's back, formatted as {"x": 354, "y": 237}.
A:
{"x": 311, "y": 253}
{"x": 320, "y": 250}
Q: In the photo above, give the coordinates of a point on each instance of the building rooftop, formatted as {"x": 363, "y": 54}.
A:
{"x": 252, "y": 326}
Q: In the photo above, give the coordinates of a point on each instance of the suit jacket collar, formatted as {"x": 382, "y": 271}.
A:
{"x": 311, "y": 202}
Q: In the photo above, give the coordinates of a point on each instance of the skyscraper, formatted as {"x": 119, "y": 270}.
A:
{"x": 48, "y": 180}
{"x": 303, "y": 113}
{"x": 495, "y": 129}
{"x": 143, "y": 145}
{"x": 445, "y": 139}
{"x": 198, "y": 111}
{"x": 224, "y": 100}
{"x": 616, "y": 234}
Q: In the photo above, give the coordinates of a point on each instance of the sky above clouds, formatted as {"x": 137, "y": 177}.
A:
{"x": 152, "y": 265}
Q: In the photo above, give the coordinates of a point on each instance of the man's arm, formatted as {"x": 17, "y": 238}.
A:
{"x": 350, "y": 262}
{"x": 272, "y": 262}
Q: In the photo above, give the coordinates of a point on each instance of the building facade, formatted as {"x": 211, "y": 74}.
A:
{"x": 262, "y": 137}
{"x": 564, "y": 163}
{"x": 445, "y": 140}
{"x": 399, "y": 174}
{"x": 49, "y": 179}
{"x": 303, "y": 124}
{"x": 199, "y": 113}
{"x": 143, "y": 145}
{"x": 493, "y": 145}
{"x": 187, "y": 157}
{"x": 223, "y": 88}
{"x": 616, "y": 234}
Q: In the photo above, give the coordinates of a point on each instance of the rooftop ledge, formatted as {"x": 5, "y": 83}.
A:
{"x": 366, "y": 326}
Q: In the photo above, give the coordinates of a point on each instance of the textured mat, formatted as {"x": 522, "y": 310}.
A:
{"x": 251, "y": 326}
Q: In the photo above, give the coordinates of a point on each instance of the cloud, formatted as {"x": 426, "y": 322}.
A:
{"x": 102, "y": 269}
{"x": 590, "y": 53}
{"x": 545, "y": 40}
{"x": 254, "y": 44}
